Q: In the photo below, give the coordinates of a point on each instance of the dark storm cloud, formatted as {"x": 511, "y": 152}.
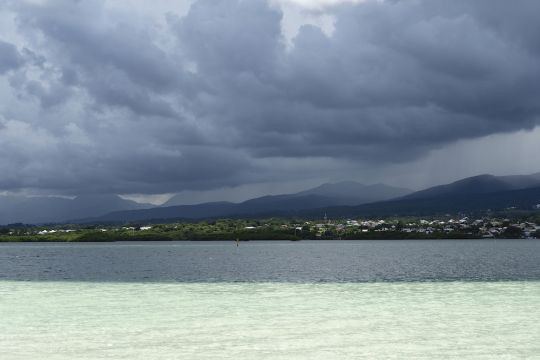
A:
{"x": 394, "y": 77}
{"x": 10, "y": 58}
{"x": 118, "y": 64}
{"x": 216, "y": 97}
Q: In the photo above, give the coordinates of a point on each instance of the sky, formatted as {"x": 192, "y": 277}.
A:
{"x": 231, "y": 99}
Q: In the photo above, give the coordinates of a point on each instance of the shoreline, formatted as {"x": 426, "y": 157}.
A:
{"x": 250, "y": 240}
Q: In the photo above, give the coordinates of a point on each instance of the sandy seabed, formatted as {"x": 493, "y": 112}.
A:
{"x": 430, "y": 320}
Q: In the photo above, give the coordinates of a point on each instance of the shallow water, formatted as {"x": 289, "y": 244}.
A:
{"x": 430, "y": 320}
{"x": 271, "y": 300}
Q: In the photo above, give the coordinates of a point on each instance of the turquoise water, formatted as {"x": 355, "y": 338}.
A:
{"x": 444, "y": 299}
{"x": 383, "y": 320}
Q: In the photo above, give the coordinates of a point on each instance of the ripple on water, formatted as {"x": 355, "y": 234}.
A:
{"x": 92, "y": 320}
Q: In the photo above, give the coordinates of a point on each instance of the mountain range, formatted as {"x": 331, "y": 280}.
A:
{"x": 49, "y": 209}
{"x": 332, "y": 194}
{"x": 481, "y": 184}
{"x": 348, "y": 198}
{"x": 477, "y": 193}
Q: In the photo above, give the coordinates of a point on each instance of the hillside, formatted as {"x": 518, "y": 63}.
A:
{"x": 331, "y": 194}
{"x": 41, "y": 209}
{"x": 524, "y": 199}
{"x": 481, "y": 184}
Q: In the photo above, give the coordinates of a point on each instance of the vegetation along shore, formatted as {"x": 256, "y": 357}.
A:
{"x": 446, "y": 227}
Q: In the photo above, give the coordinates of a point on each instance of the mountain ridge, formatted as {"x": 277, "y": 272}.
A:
{"x": 50, "y": 209}
{"x": 521, "y": 199}
{"x": 469, "y": 194}
{"x": 479, "y": 184}
{"x": 346, "y": 198}
{"x": 348, "y": 191}
{"x": 329, "y": 194}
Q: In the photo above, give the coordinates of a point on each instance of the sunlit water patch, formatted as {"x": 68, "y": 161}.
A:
{"x": 430, "y": 320}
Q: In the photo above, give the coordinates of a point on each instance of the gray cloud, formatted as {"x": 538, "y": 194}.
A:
{"x": 10, "y": 58}
{"x": 216, "y": 98}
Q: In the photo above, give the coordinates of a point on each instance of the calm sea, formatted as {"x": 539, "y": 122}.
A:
{"x": 476, "y": 299}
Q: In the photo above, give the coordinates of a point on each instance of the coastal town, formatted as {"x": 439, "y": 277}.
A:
{"x": 287, "y": 229}
{"x": 485, "y": 227}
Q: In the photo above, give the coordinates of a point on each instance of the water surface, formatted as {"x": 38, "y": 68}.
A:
{"x": 441, "y": 320}
{"x": 275, "y": 261}
{"x": 450, "y": 299}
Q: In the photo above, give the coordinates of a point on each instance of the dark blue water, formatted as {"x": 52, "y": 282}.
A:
{"x": 274, "y": 261}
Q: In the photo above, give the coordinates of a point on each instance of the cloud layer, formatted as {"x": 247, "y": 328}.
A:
{"x": 97, "y": 98}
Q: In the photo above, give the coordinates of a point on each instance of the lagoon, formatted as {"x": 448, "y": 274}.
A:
{"x": 428, "y": 320}
{"x": 273, "y": 261}
{"x": 467, "y": 299}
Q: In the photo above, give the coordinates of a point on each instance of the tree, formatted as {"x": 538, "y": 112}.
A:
{"x": 512, "y": 232}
